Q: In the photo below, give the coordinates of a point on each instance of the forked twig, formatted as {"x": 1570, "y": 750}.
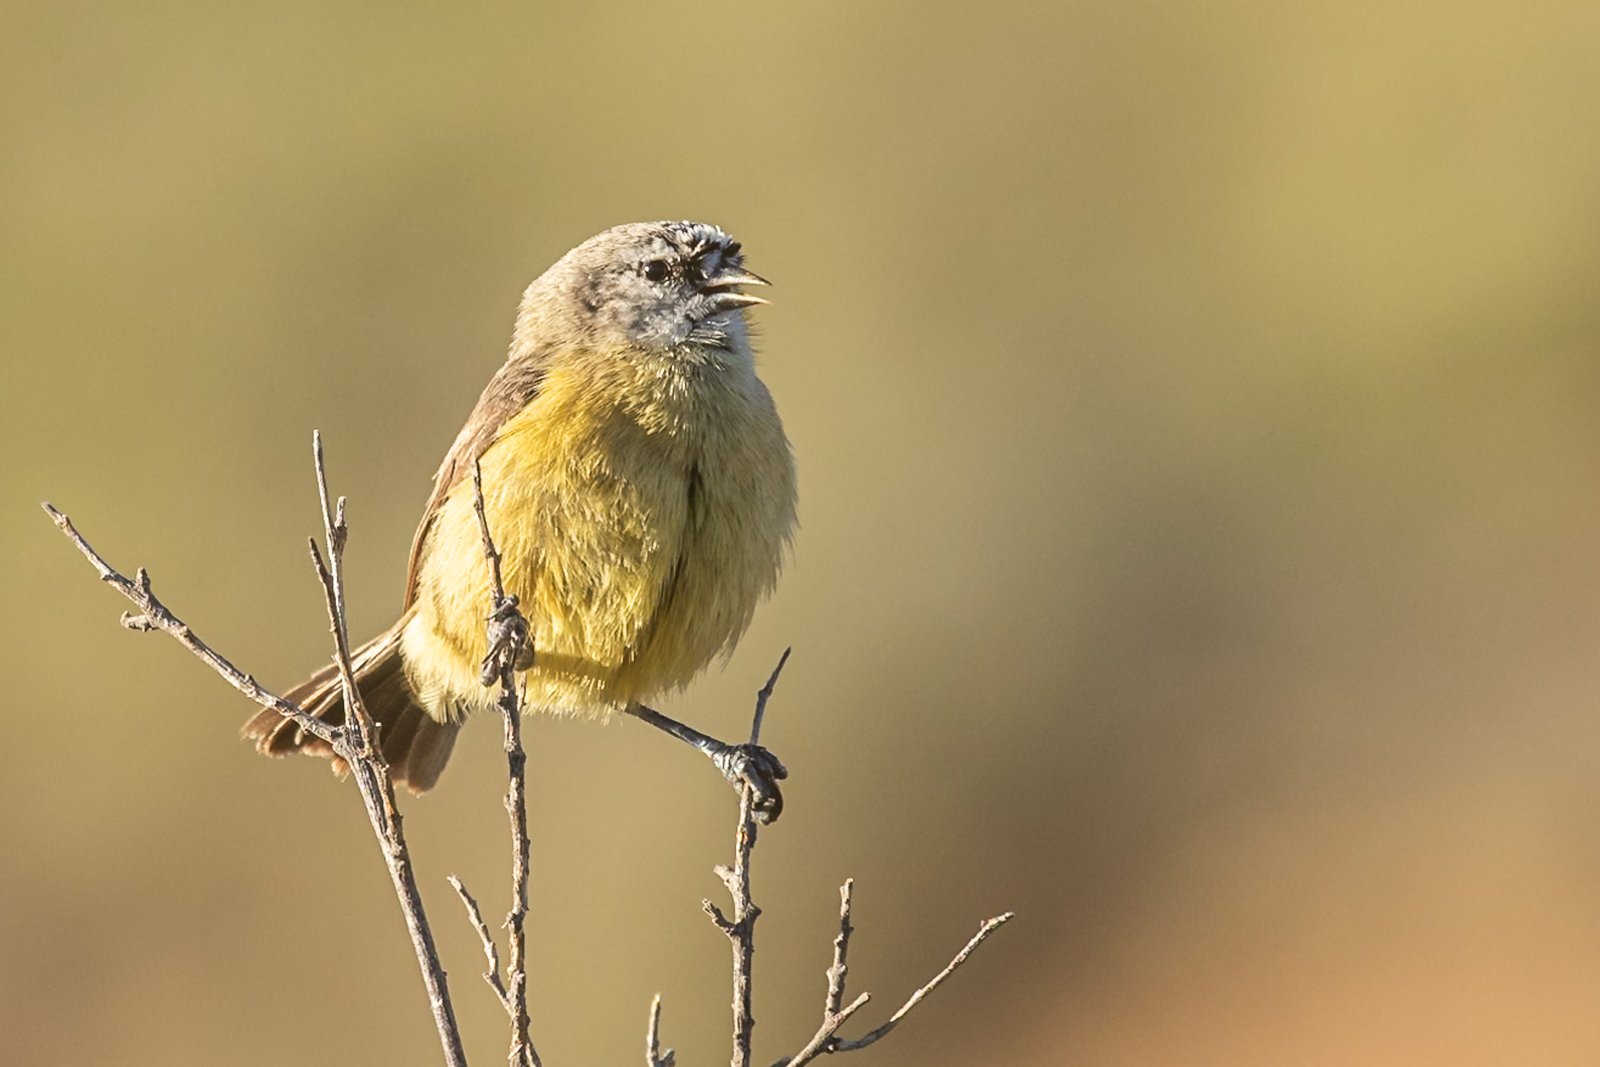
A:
{"x": 154, "y": 615}
{"x": 490, "y": 953}
{"x": 833, "y": 1015}
{"x": 740, "y": 930}
{"x": 825, "y": 1039}
{"x": 355, "y": 744}
{"x": 371, "y": 771}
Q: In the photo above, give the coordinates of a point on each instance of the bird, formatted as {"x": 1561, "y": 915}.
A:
{"x": 640, "y": 489}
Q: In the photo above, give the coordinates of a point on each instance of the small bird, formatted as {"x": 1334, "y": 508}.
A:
{"x": 640, "y": 489}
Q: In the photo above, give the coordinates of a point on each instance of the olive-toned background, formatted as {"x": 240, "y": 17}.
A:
{"x": 1196, "y": 412}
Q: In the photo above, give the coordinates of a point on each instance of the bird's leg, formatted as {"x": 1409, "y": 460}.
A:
{"x": 741, "y": 765}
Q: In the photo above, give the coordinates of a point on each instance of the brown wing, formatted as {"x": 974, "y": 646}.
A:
{"x": 512, "y": 388}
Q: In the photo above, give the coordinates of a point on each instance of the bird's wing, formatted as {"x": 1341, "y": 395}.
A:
{"x": 513, "y": 387}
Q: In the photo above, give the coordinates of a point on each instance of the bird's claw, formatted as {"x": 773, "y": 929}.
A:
{"x": 509, "y": 642}
{"x": 756, "y": 767}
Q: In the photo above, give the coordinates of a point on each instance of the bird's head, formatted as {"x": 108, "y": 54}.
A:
{"x": 659, "y": 285}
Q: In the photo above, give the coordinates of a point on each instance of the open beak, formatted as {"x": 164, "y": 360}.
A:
{"x": 721, "y": 288}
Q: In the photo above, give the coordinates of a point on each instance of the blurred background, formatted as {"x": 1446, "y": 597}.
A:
{"x": 1196, "y": 414}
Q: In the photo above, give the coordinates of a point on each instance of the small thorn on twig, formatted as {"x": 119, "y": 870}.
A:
{"x": 717, "y": 917}
{"x": 137, "y": 621}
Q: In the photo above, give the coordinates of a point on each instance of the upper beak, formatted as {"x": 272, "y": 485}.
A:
{"x": 720, "y": 287}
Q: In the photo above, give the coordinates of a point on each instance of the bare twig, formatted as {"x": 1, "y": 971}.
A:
{"x": 490, "y": 953}
{"x": 989, "y": 926}
{"x": 371, "y": 772}
{"x": 764, "y": 695}
{"x": 824, "y": 1039}
{"x": 653, "y": 1055}
{"x": 331, "y": 575}
{"x": 490, "y": 551}
{"x": 740, "y": 930}
{"x": 355, "y": 745}
{"x": 841, "y": 952}
{"x": 154, "y": 615}
{"x": 510, "y": 651}
{"x": 833, "y": 1014}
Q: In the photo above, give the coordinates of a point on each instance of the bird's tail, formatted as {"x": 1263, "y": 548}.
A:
{"x": 415, "y": 746}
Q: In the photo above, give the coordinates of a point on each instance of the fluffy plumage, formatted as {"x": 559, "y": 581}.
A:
{"x": 638, "y": 484}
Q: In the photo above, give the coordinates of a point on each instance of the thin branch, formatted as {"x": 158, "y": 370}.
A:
{"x": 355, "y": 746}
{"x": 331, "y": 575}
{"x": 490, "y": 552}
{"x": 841, "y": 952}
{"x": 764, "y": 695}
{"x": 365, "y": 758}
{"x": 833, "y": 1014}
{"x": 741, "y": 928}
{"x": 653, "y": 1056}
{"x": 989, "y": 926}
{"x": 154, "y": 615}
{"x": 510, "y": 651}
{"x": 824, "y": 1040}
{"x": 490, "y": 953}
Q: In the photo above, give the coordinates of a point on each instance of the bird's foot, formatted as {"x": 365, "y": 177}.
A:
{"x": 756, "y": 767}
{"x": 509, "y": 642}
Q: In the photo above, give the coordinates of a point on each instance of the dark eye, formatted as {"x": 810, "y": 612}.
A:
{"x": 656, "y": 270}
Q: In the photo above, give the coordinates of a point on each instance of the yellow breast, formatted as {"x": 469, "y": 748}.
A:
{"x": 642, "y": 505}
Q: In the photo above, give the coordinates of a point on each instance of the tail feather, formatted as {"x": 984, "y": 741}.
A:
{"x": 415, "y": 746}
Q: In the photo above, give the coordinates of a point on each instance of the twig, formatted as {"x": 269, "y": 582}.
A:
{"x": 490, "y": 952}
{"x": 764, "y": 695}
{"x": 740, "y": 930}
{"x": 653, "y": 1056}
{"x": 331, "y": 575}
{"x": 154, "y": 615}
{"x": 989, "y": 926}
{"x": 372, "y": 776}
{"x": 354, "y": 745}
{"x": 841, "y": 952}
{"x": 509, "y": 652}
{"x": 825, "y": 1041}
{"x": 833, "y": 1015}
{"x": 490, "y": 552}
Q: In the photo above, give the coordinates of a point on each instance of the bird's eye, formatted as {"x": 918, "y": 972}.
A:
{"x": 656, "y": 270}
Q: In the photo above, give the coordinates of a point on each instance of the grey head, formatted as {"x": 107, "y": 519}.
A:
{"x": 658, "y": 285}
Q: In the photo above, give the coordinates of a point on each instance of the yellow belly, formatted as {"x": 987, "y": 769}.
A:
{"x": 642, "y": 509}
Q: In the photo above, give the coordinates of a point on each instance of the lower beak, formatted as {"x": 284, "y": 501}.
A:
{"x": 727, "y": 301}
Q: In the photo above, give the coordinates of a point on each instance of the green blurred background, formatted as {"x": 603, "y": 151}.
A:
{"x": 1195, "y": 406}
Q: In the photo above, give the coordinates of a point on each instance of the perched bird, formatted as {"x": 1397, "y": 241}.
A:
{"x": 640, "y": 489}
